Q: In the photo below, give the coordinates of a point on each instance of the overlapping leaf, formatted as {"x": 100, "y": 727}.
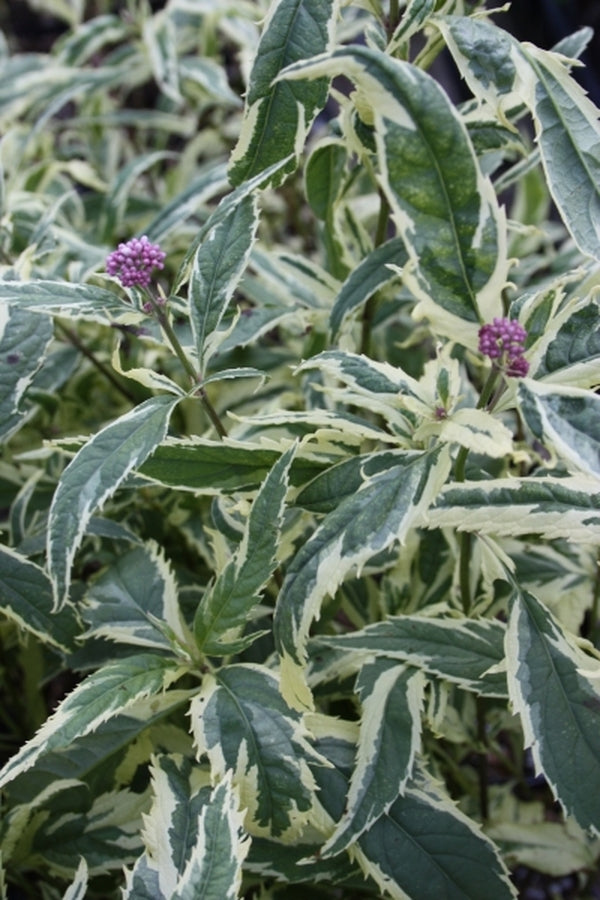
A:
{"x": 551, "y": 507}
{"x": 374, "y": 518}
{"x": 502, "y": 71}
{"x": 278, "y": 116}
{"x": 94, "y": 474}
{"x": 135, "y": 602}
{"x": 423, "y": 846}
{"x": 566, "y": 420}
{"x": 444, "y": 208}
{"x": 242, "y": 722}
{"x": 458, "y": 650}
{"x": 24, "y": 339}
{"x": 389, "y": 738}
{"x": 555, "y": 688}
{"x": 26, "y": 598}
{"x": 194, "y": 840}
{"x": 226, "y": 606}
{"x": 109, "y": 692}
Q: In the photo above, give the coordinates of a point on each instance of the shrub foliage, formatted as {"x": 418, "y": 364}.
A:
{"x": 299, "y": 561}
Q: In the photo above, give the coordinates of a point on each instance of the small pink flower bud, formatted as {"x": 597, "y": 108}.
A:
{"x": 132, "y": 262}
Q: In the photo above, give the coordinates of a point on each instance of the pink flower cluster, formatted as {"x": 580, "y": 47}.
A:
{"x": 504, "y": 339}
{"x": 133, "y": 262}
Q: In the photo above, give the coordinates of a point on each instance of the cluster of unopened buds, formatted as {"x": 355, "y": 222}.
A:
{"x": 503, "y": 340}
{"x": 134, "y": 261}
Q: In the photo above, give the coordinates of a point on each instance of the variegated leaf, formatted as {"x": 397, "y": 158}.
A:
{"x": 444, "y": 208}
{"x": 242, "y": 723}
{"x": 26, "y": 598}
{"x": 422, "y": 847}
{"x": 193, "y": 837}
{"x": 135, "y": 601}
{"x": 571, "y": 354}
{"x": 566, "y": 420}
{"x": 105, "y": 831}
{"x": 467, "y": 652}
{"x": 62, "y": 298}
{"x": 77, "y": 890}
{"x": 377, "y": 516}
{"x": 216, "y": 270}
{"x": 370, "y": 274}
{"x": 224, "y": 208}
{"x": 226, "y": 607}
{"x": 551, "y": 507}
{"x": 24, "y": 340}
{"x": 107, "y": 693}
{"x": 502, "y": 71}
{"x": 210, "y": 181}
{"x": 277, "y": 116}
{"x": 214, "y": 869}
{"x": 555, "y": 688}
{"x": 301, "y": 863}
{"x": 389, "y": 738}
{"x": 94, "y": 475}
{"x": 88, "y": 755}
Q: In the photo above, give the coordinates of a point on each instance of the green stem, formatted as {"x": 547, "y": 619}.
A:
{"x": 373, "y": 302}
{"x": 466, "y": 538}
{"x": 595, "y": 610}
{"x": 393, "y": 18}
{"x": 484, "y": 806}
{"x": 74, "y": 339}
{"x": 195, "y": 378}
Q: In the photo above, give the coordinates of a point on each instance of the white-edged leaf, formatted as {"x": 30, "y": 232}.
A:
{"x": 468, "y": 652}
{"x": 566, "y": 420}
{"x": 370, "y": 274}
{"x": 24, "y": 339}
{"x": 423, "y": 846}
{"x": 226, "y": 606}
{"x": 551, "y": 507}
{"x": 77, "y": 890}
{"x": 62, "y": 298}
{"x": 378, "y": 515}
{"x": 214, "y": 869}
{"x": 94, "y": 474}
{"x": 277, "y": 116}
{"x": 26, "y": 598}
{"x": 216, "y": 270}
{"x": 502, "y": 71}
{"x": 135, "y": 602}
{"x": 389, "y": 738}
{"x": 241, "y": 721}
{"x": 444, "y": 208}
{"x": 106, "y": 693}
{"x": 559, "y": 706}
{"x": 572, "y": 354}
{"x": 210, "y": 181}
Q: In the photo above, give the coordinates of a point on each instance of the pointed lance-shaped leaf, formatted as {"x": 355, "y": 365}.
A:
{"x": 565, "y": 420}
{"x": 226, "y": 606}
{"x": 374, "y": 518}
{"x": 78, "y": 888}
{"x": 26, "y": 598}
{"x": 94, "y": 474}
{"x": 24, "y": 339}
{"x": 423, "y": 846}
{"x": 555, "y": 688}
{"x": 216, "y": 270}
{"x": 389, "y": 738}
{"x": 241, "y": 721}
{"x": 107, "y": 693}
{"x": 193, "y": 837}
{"x": 467, "y": 652}
{"x": 134, "y": 601}
{"x": 551, "y": 507}
{"x": 370, "y": 274}
{"x": 277, "y": 116}
{"x": 214, "y": 869}
{"x": 445, "y": 209}
{"x": 501, "y": 71}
